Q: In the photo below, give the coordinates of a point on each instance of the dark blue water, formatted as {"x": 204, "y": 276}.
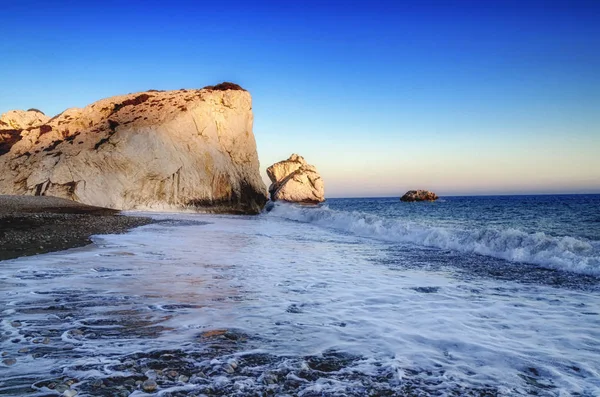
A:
{"x": 555, "y": 215}
{"x": 560, "y": 232}
{"x": 467, "y": 296}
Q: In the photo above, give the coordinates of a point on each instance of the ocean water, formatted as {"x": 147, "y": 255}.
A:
{"x": 476, "y": 296}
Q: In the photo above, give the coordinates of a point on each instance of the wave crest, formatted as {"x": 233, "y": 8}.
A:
{"x": 561, "y": 253}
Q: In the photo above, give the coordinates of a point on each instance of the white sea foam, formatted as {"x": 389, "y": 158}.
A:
{"x": 561, "y": 253}
{"x": 294, "y": 290}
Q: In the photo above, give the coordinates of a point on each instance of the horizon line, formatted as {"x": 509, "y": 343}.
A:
{"x": 473, "y": 195}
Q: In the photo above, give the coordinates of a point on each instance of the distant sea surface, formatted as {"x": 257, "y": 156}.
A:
{"x": 477, "y": 296}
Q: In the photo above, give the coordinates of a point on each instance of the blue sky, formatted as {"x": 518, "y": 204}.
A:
{"x": 458, "y": 97}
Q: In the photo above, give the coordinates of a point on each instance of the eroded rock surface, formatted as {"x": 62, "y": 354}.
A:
{"x": 154, "y": 150}
{"x": 22, "y": 119}
{"x": 419, "y": 195}
{"x": 295, "y": 181}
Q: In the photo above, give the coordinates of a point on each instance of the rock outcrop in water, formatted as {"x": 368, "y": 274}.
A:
{"x": 151, "y": 150}
{"x": 419, "y": 195}
{"x": 295, "y": 181}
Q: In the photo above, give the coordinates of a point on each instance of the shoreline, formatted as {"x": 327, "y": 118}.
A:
{"x": 32, "y": 225}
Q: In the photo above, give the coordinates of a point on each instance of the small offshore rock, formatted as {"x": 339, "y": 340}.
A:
{"x": 24, "y": 350}
{"x": 149, "y": 385}
{"x": 16, "y": 324}
{"x": 293, "y": 180}
{"x": 61, "y": 388}
{"x": 97, "y": 383}
{"x": 70, "y": 393}
{"x": 9, "y": 361}
{"x": 228, "y": 368}
{"x": 419, "y": 195}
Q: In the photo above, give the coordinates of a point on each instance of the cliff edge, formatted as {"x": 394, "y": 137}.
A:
{"x": 153, "y": 150}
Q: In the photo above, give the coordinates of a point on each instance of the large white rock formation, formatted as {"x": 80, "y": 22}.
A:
{"x": 155, "y": 150}
{"x": 295, "y": 181}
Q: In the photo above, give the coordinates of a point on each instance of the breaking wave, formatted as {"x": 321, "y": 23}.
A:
{"x": 562, "y": 253}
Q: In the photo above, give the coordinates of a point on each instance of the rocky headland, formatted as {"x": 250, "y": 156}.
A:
{"x": 419, "y": 195}
{"x": 153, "y": 150}
{"x": 294, "y": 180}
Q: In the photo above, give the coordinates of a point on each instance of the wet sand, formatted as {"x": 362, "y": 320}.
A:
{"x": 31, "y": 225}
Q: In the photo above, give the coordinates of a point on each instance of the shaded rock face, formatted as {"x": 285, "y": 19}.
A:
{"x": 295, "y": 181}
{"x": 155, "y": 150}
{"x": 419, "y": 195}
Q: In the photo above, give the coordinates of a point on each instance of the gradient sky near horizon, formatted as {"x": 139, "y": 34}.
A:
{"x": 459, "y": 97}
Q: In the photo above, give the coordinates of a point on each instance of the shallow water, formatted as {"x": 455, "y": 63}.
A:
{"x": 278, "y": 305}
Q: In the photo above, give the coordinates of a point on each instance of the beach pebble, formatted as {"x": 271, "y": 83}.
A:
{"x": 23, "y": 350}
{"x": 70, "y": 393}
{"x": 198, "y": 380}
{"x": 97, "y": 383}
{"x": 16, "y": 324}
{"x": 149, "y": 385}
{"x": 173, "y": 374}
{"x": 183, "y": 378}
{"x": 269, "y": 378}
{"x": 151, "y": 374}
{"x": 228, "y": 368}
{"x": 61, "y": 388}
{"x": 9, "y": 361}
{"x": 233, "y": 363}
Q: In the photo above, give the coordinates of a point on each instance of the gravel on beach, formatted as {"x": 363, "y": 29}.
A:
{"x": 31, "y": 225}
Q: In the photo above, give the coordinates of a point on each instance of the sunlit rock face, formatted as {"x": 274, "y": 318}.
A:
{"x": 154, "y": 150}
{"x": 294, "y": 180}
{"x": 22, "y": 119}
{"x": 419, "y": 195}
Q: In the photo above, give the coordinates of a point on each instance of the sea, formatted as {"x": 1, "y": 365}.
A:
{"x": 465, "y": 296}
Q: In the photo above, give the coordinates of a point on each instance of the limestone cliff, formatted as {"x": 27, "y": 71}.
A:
{"x": 21, "y": 119}
{"x": 154, "y": 150}
{"x": 295, "y": 181}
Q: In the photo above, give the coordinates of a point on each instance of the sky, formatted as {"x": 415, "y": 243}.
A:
{"x": 458, "y": 97}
